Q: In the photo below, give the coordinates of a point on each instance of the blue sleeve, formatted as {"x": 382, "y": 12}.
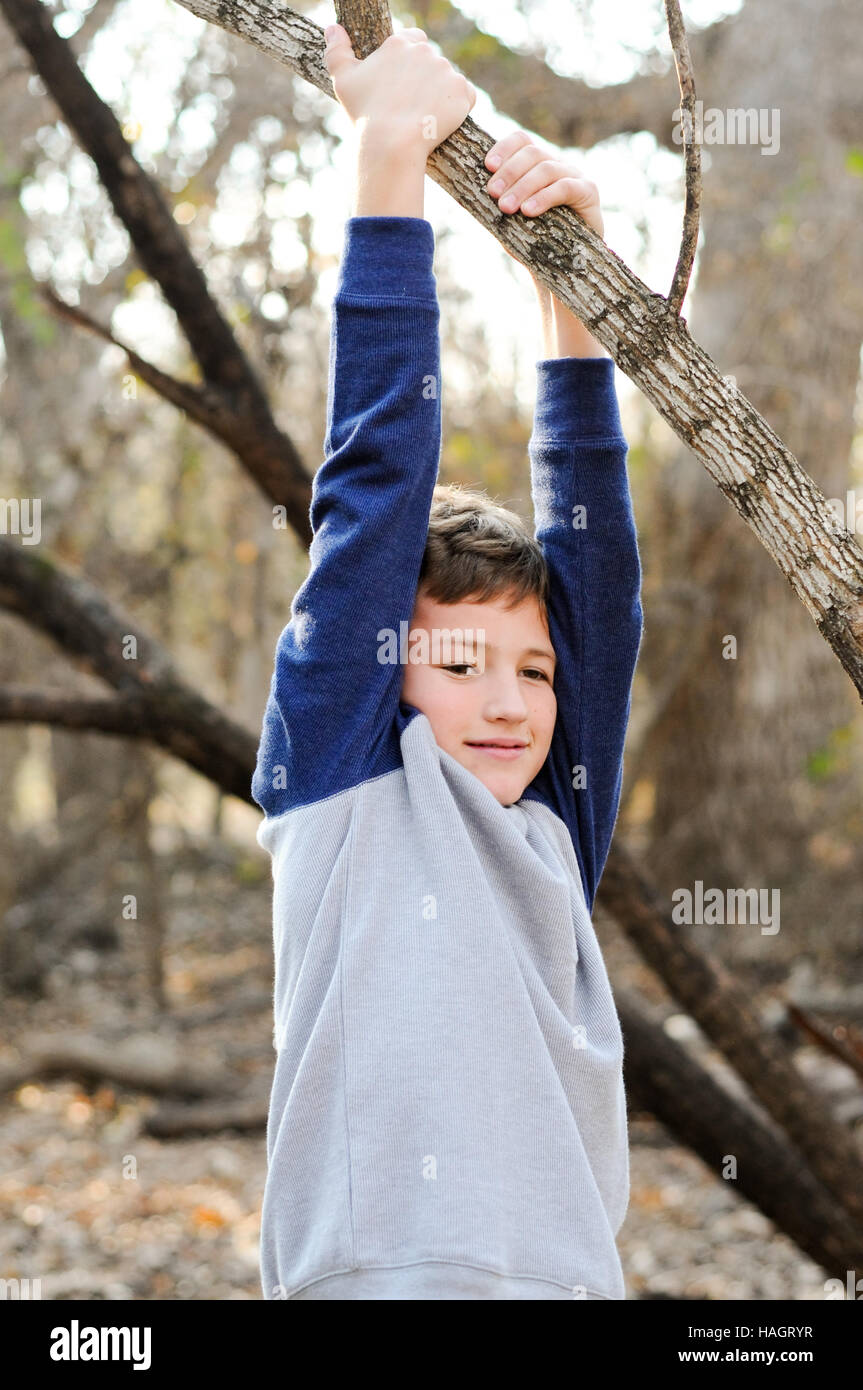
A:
{"x": 330, "y": 720}
{"x": 586, "y": 528}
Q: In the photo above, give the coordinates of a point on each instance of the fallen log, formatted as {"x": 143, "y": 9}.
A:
{"x": 213, "y": 1117}
{"x": 142, "y": 1063}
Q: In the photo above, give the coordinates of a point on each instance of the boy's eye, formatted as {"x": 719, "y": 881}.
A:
{"x": 533, "y": 671}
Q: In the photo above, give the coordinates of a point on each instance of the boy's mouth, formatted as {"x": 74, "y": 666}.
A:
{"x": 505, "y": 748}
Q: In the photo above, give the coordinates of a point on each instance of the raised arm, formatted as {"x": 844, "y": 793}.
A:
{"x": 584, "y": 524}
{"x": 329, "y": 721}
{"x": 586, "y": 527}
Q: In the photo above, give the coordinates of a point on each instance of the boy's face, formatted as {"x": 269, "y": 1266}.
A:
{"x": 495, "y": 712}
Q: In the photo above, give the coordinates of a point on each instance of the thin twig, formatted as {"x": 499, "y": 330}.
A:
{"x": 838, "y": 1039}
{"x": 692, "y": 152}
{"x": 193, "y": 399}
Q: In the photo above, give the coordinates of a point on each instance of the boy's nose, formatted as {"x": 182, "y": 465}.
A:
{"x": 505, "y": 701}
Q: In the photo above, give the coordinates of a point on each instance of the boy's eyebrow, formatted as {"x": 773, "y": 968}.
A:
{"x": 530, "y": 651}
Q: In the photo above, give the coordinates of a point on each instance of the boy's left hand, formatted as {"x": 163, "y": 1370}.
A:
{"x": 531, "y": 181}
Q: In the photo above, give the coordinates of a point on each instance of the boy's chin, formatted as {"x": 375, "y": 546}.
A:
{"x": 505, "y": 785}
{"x": 506, "y": 790}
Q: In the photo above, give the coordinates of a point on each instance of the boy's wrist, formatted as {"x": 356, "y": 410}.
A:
{"x": 390, "y": 172}
{"x": 563, "y": 334}
{"x": 394, "y": 139}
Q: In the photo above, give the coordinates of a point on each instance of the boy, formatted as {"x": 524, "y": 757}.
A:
{"x": 447, "y": 1118}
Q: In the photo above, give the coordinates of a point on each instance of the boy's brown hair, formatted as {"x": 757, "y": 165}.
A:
{"x": 479, "y": 550}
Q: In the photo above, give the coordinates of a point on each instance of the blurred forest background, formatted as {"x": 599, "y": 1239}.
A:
{"x": 743, "y": 772}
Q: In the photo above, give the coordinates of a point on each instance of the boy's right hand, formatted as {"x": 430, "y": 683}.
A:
{"x": 403, "y": 92}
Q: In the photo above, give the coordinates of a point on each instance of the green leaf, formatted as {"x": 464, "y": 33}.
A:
{"x": 11, "y": 247}
{"x": 854, "y": 161}
{"x": 831, "y": 757}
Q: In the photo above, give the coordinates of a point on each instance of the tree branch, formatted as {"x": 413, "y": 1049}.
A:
{"x": 692, "y": 155}
{"x": 368, "y": 22}
{"x": 750, "y": 465}
{"x": 96, "y": 633}
{"x": 203, "y": 403}
{"x": 841, "y": 1041}
{"x": 26, "y": 704}
{"x": 246, "y": 419}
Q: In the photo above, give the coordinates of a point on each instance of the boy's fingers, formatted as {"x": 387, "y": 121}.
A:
{"x": 552, "y": 196}
{"x": 579, "y": 194}
{"x": 339, "y": 52}
{"x": 502, "y": 149}
{"x": 525, "y": 172}
{"x": 549, "y": 181}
